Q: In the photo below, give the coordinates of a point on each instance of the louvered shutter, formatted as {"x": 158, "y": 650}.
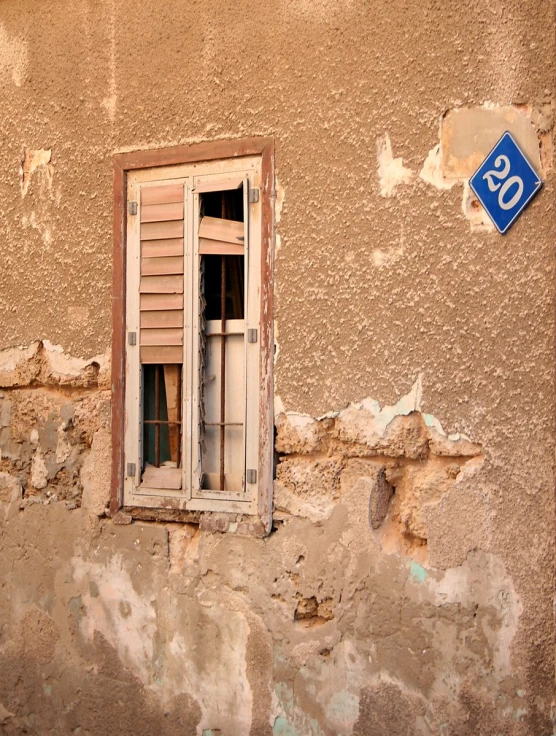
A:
{"x": 162, "y": 275}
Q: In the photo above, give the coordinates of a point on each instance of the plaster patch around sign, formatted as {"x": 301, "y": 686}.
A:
{"x": 431, "y": 173}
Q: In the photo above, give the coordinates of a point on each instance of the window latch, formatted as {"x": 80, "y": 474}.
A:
{"x": 132, "y": 208}
{"x": 253, "y": 196}
{"x": 130, "y": 470}
{"x": 252, "y": 335}
{"x": 132, "y": 338}
{"x": 251, "y": 476}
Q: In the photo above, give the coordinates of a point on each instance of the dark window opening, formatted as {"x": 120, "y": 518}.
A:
{"x": 222, "y": 393}
{"x": 162, "y": 415}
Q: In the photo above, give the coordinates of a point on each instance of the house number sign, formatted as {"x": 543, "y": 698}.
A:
{"x": 505, "y": 183}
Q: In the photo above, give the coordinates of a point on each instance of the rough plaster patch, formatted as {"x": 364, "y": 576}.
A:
{"x": 220, "y": 684}
{"x": 30, "y": 162}
{"x": 391, "y": 171}
{"x": 126, "y": 619}
{"x": 95, "y": 474}
{"x": 482, "y": 580}
{"x": 290, "y": 719}
{"x": 13, "y": 57}
{"x": 339, "y": 679}
{"x": 197, "y": 649}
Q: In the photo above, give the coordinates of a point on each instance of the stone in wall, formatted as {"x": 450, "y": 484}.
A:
{"x": 55, "y": 425}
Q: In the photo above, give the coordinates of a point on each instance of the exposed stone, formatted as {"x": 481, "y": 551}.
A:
{"x": 39, "y": 471}
{"x": 379, "y": 501}
{"x": 298, "y": 433}
{"x": 96, "y": 474}
{"x": 307, "y": 487}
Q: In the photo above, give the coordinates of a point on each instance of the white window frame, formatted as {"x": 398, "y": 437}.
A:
{"x": 253, "y": 168}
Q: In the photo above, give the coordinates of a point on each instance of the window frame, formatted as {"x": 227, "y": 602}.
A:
{"x": 259, "y": 512}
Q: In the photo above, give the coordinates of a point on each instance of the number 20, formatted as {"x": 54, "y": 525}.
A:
{"x": 502, "y": 163}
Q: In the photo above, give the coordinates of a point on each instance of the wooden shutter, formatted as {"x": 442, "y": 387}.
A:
{"x": 162, "y": 283}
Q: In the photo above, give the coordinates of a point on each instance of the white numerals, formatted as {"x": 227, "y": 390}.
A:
{"x": 500, "y": 172}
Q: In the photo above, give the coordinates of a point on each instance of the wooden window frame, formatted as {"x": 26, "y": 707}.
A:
{"x": 198, "y": 153}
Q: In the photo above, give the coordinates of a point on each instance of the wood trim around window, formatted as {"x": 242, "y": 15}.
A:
{"x": 195, "y": 153}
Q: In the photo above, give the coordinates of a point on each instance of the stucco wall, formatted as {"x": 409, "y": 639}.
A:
{"x": 407, "y": 585}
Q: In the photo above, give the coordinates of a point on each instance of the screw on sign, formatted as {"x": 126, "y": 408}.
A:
{"x": 505, "y": 183}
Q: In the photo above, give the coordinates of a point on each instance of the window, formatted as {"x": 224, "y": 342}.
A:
{"x": 192, "y": 338}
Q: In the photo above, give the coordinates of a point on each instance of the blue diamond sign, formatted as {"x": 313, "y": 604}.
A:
{"x": 505, "y": 183}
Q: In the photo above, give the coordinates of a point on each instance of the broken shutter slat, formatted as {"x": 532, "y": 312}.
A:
{"x": 162, "y": 248}
{"x": 161, "y": 285}
{"x": 161, "y": 266}
{"x": 156, "y": 302}
{"x": 173, "y": 318}
{"x": 162, "y": 195}
{"x": 171, "y": 384}
{"x": 216, "y": 228}
{"x": 164, "y": 336}
{"x": 219, "y": 247}
{"x": 162, "y": 230}
{"x": 161, "y": 354}
{"x": 221, "y": 185}
{"x": 162, "y": 212}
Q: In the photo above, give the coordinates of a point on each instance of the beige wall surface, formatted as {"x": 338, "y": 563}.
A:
{"x": 407, "y": 585}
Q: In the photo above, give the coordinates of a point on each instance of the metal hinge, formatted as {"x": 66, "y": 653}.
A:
{"x": 132, "y": 208}
{"x": 132, "y": 338}
{"x": 252, "y": 335}
{"x": 251, "y": 476}
{"x": 253, "y": 196}
{"x": 131, "y": 470}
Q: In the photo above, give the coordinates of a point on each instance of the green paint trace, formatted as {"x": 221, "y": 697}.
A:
{"x": 417, "y": 572}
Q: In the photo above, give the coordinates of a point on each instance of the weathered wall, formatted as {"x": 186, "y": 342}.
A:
{"x": 407, "y": 585}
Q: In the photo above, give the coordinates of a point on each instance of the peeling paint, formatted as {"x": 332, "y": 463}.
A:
{"x": 33, "y": 161}
{"x": 391, "y": 171}
{"x": 365, "y": 420}
{"x": 417, "y": 572}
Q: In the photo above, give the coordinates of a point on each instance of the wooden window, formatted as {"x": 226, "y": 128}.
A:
{"x": 192, "y": 343}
